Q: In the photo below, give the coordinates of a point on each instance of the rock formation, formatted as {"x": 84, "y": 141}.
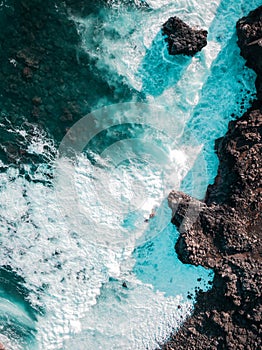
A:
{"x": 225, "y": 232}
{"x": 182, "y": 39}
{"x": 249, "y": 31}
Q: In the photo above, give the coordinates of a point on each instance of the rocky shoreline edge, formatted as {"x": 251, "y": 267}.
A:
{"x": 225, "y": 235}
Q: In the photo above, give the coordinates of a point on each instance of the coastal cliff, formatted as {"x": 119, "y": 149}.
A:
{"x": 226, "y": 235}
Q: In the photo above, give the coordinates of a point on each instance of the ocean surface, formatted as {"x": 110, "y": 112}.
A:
{"x": 82, "y": 264}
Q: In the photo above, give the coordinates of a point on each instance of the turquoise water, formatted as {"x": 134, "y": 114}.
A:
{"x": 94, "y": 274}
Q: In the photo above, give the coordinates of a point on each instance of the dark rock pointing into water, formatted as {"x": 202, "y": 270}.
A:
{"x": 224, "y": 232}
{"x": 182, "y": 39}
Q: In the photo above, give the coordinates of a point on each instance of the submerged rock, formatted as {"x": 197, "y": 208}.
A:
{"x": 182, "y": 39}
{"x": 226, "y": 234}
{"x": 47, "y": 78}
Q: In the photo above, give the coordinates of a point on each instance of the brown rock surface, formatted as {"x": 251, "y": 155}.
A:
{"x": 225, "y": 235}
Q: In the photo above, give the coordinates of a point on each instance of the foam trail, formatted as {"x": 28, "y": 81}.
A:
{"x": 135, "y": 32}
{"x": 78, "y": 282}
{"x": 73, "y": 273}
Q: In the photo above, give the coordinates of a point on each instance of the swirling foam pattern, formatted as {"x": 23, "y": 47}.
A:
{"x": 101, "y": 276}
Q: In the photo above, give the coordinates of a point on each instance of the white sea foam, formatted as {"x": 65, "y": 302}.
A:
{"x": 81, "y": 281}
{"x": 135, "y": 32}
{"x": 64, "y": 259}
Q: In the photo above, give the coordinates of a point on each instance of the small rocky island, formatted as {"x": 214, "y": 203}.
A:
{"x": 226, "y": 234}
{"x": 182, "y": 39}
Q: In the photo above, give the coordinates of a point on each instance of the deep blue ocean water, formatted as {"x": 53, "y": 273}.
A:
{"x": 87, "y": 270}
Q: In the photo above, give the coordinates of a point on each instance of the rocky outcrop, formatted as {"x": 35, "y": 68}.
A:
{"x": 225, "y": 232}
{"x": 182, "y": 39}
{"x": 249, "y": 32}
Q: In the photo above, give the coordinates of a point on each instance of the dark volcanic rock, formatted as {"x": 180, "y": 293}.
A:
{"x": 225, "y": 231}
{"x": 182, "y": 39}
{"x": 249, "y": 31}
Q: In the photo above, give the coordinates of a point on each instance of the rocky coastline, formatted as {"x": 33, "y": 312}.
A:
{"x": 225, "y": 235}
{"x": 47, "y": 83}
